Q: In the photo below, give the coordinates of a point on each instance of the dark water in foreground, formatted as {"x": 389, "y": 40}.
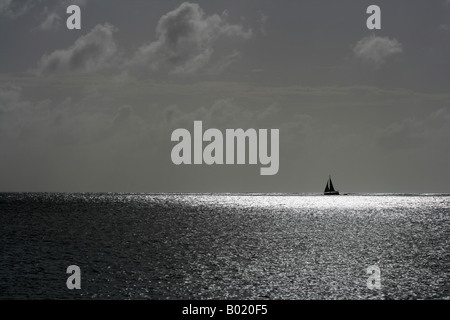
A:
{"x": 136, "y": 246}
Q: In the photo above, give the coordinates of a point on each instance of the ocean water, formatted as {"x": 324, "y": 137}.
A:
{"x": 224, "y": 246}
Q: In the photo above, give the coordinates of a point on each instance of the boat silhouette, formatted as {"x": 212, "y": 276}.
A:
{"x": 329, "y": 189}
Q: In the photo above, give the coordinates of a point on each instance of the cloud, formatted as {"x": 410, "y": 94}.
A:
{"x": 52, "y": 124}
{"x": 54, "y": 15}
{"x": 224, "y": 114}
{"x": 4, "y": 5}
{"x": 375, "y": 50}
{"x": 67, "y": 3}
{"x": 91, "y": 52}
{"x": 18, "y": 116}
{"x": 225, "y": 62}
{"x": 263, "y": 20}
{"x": 15, "y": 9}
{"x": 50, "y": 17}
{"x": 406, "y": 134}
{"x": 124, "y": 118}
{"x": 118, "y": 134}
{"x": 185, "y": 40}
{"x": 221, "y": 114}
{"x": 433, "y": 130}
{"x": 296, "y": 131}
{"x": 9, "y": 95}
{"x": 52, "y": 20}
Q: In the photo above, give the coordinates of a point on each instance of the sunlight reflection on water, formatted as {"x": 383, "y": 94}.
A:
{"x": 228, "y": 246}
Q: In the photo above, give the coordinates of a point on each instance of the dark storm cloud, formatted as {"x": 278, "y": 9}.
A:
{"x": 91, "y": 52}
{"x": 185, "y": 40}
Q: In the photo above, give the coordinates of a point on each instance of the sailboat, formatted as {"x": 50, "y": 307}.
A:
{"x": 329, "y": 189}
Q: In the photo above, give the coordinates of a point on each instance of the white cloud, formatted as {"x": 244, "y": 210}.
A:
{"x": 375, "y": 50}
{"x": 91, "y": 52}
{"x": 185, "y": 40}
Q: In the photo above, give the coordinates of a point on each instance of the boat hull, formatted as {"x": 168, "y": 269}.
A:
{"x": 331, "y": 193}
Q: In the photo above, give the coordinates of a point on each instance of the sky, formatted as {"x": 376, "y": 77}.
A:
{"x": 93, "y": 110}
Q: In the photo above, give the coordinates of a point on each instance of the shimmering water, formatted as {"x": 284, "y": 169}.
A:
{"x": 187, "y": 246}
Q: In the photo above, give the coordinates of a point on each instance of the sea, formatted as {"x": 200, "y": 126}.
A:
{"x": 225, "y": 246}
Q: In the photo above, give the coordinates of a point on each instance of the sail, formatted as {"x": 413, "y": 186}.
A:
{"x": 331, "y": 185}
{"x": 329, "y": 189}
{"x": 326, "y": 188}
